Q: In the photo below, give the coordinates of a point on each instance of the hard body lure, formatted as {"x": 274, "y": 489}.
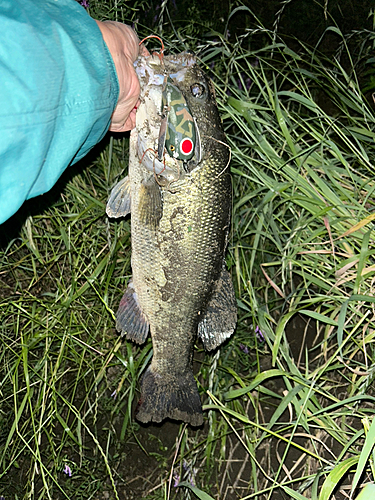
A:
{"x": 179, "y": 133}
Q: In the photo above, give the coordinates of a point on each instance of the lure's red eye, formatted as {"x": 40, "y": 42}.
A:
{"x": 186, "y": 146}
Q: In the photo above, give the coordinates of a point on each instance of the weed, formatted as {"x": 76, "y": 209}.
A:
{"x": 288, "y": 400}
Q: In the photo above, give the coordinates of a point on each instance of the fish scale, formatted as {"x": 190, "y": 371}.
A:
{"x": 179, "y": 229}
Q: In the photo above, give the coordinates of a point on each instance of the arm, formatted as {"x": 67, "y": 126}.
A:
{"x": 59, "y": 90}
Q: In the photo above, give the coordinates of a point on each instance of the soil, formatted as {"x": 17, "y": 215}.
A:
{"x": 148, "y": 455}
{"x": 232, "y": 478}
{"x": 144, "y": 461}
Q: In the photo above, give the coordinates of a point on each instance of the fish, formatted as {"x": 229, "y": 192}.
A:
{"x": 180, "y": 209}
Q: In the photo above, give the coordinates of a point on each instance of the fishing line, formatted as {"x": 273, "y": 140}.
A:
{"x": 230, "y": 154}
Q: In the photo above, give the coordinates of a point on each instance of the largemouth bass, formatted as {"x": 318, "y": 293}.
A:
{"x": 178, "y": 192}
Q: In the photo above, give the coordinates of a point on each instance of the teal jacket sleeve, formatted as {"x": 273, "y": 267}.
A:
{"x": 58, "y": 90}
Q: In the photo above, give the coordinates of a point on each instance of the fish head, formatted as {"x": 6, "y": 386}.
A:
{"x": 177, "y": 123}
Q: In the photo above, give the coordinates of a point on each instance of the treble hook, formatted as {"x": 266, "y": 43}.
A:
{"x": 161, "y": 55}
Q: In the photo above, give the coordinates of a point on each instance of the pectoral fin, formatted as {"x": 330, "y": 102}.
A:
{"x": 130, "y": 319}
{"x": 219, "y": 320}
{"x": 119, "y": 202}
{"x": 150, "y": 207}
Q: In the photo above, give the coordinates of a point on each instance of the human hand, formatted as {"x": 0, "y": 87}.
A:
{"x": 123, "y": 45}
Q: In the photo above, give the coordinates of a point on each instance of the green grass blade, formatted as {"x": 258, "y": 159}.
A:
{"x": 368, "y": 493}
{"x": 197, "y": 492}
{"x": 334, "y": 477}
{"x": 364, "y": 456}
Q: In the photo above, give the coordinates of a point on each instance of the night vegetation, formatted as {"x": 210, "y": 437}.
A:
{"x": 289, "y": 399}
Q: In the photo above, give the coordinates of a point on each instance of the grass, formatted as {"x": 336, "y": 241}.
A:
{"x": 289, "y": 412}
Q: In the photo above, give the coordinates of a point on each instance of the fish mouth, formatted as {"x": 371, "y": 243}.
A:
{"x": 153, "y": 69}
{"x": 148, "y": 118}
{"x": 152, "y": 73}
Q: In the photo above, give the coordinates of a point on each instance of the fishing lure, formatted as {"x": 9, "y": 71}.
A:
{"x": 178, "y": 133}
{"x": 178, "y": 130}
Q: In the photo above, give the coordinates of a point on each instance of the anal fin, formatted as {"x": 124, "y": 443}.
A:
{"x": 119, "y": 203}
{"x": 219, "y": 320}
{"x": 130, "y": 320}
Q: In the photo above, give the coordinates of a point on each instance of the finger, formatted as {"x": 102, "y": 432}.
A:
{"x": 143, "y": 50}
{"x": 127, "y": 124}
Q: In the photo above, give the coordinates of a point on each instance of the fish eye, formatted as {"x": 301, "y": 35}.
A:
{"x": 197, "y": 90}
{"x": 171, "y": 147}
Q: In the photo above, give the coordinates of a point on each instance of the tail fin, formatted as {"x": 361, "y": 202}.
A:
{"x": 176, "y": 398}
